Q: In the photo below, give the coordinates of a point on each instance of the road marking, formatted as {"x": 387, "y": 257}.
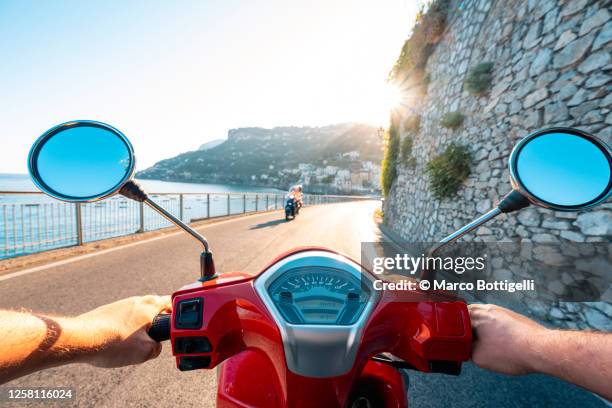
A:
{"x": 117, "y": 248}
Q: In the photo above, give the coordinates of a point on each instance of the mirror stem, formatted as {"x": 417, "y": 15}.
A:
{"x": 178, "y": 222}
{"x": 207, "y": 266}
{"x": 512, "y": 201}
{"x": 132, "y": 190}
{"x": 465, "y": 229}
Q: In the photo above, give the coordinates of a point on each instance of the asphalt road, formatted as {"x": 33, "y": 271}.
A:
{"x": 244, "y": 244}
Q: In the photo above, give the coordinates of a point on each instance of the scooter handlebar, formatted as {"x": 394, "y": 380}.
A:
{"x": 160, "y": 327}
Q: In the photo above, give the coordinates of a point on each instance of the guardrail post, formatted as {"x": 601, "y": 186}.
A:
{"x": 256, "y": 202}
{"x": 79, "y": 224}
{"x": 208, "y": 205}
{"x": 275, "y": 201}
{"x": 228, "y": 204}
{"x": 267, "y": 203}
{"x": 181, "y": 207}
{"x": 244, "y": 203}
{"x": 141, "y": 216}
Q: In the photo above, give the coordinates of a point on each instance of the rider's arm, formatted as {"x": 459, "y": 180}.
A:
{"x": 510, "y": 343}
{"x": 113, "y": 335}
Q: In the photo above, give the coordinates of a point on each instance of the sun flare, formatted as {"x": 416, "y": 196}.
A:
{"x": 382, "y": 101}
{"x": 391, "y": 97}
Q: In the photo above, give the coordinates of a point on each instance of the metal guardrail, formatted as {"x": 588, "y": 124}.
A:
{"x": 31, "y": 222}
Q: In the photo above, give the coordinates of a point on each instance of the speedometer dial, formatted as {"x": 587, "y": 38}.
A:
{"x": 319, "y": 295}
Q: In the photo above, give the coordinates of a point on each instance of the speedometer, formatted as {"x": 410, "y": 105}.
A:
{"x": 319, "y": 295}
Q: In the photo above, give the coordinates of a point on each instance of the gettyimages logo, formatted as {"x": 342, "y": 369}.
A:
{"x": 404, "y": 264}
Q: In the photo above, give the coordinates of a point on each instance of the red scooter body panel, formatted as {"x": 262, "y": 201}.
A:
{"x": 245, "y": 338}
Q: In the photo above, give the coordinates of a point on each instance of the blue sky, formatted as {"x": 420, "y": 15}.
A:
{"x": 173, "y": 75}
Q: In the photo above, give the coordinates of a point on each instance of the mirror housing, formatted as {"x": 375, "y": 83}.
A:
{"x": 84, "y": 161}
{"x": 543, "y": 166}
{"x": 81, "y": 161}
{"x": 563, "y": 169}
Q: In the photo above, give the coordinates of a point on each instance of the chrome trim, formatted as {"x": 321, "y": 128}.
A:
{"x": 518, "y": 185}
{"x": 319, "y": 351}
{"x": 77, "y": 123}
{"x": 486, "y": 217}
{"x": 162, "y": 211}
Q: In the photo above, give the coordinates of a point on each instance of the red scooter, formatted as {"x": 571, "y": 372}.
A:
{"x": 311, "y": 329}
{"x": 307, "y": 332}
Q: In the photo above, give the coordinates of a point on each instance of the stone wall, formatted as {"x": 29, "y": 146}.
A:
{"x": 553, "y": 67}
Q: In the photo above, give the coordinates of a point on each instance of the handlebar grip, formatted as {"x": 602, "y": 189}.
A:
{"x": 160, "y": 327}
{"x": 445, "y": 367}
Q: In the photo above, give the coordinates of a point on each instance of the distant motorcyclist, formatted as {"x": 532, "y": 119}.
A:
{"x": 296, "y": 192}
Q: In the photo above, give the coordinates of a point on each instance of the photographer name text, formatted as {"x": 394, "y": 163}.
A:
{"x": 479, "y": 285}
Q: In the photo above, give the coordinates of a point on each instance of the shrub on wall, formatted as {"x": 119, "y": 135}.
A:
{"x": 408, "y": 158}
{"x": 448, "y": 170}
{"x": 427, "y": 31}
{"x": 391, "y": 154}
{"x": 412, "y": 123}
{"x": 452, "y": 120}
{"x": 479, "y": 77}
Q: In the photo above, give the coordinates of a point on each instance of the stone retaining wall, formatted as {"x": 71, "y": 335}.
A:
{"x": 552, "y": 67}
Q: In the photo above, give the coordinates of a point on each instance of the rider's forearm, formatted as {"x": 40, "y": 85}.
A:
{"x": 31, "y": 342}
{"x": 113, "y": 335}
{"x": 581, "y": 358}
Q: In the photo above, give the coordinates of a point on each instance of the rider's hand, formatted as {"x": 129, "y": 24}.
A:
{"x": 503, "y": 339}
{"x": 120, "y": 331}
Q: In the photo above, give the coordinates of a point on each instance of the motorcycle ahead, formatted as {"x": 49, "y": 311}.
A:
{"x": 310, "y": 329}
{"x": 292, "y": 207}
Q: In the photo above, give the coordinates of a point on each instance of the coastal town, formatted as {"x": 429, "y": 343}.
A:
{"x": 359, "y": 177}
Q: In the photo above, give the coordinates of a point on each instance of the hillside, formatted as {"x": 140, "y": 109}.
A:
{"x": 276, "y": 157}
{"x": 211, "y": 144}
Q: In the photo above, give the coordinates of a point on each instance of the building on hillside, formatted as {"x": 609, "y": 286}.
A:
{"x": 330, "y": 170}
{"x": 343, "y": 174}
{"x": 343, "y": 184}
{"x": 353, "y": 155}
{"x": 305, "y": 167}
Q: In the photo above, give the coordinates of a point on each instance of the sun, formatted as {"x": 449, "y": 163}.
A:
{"x": 376, "y": 101}
{"x": 382, "y": 101}
{"x": 391, "y": 96}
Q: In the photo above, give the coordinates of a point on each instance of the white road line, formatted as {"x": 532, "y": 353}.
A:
{"x": 117, "y": 248}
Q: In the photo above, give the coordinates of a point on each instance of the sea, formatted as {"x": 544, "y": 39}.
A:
{"x": 34, "y": 222}
{"x": 22, "y": 182}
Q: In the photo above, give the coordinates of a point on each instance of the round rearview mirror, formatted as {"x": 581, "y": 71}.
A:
{"x": 562, "y": 168}
{"x": 81, "y": 161}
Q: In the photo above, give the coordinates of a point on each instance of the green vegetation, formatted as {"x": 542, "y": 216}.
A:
{"x": 407, "y": 157}
{"x": 452, "y": 120}
{"x": 479, "y": 78}
{"x": 409, "y": 70}
{"x": 412, "y": 123}
{"x": 448, "y": 170}
{"x": 389, "y": 162}
{"x": 416, "y": 50}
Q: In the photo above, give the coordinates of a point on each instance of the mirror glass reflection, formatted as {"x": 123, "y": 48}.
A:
{"x": 82, "y": 162}
{"x": 563, "y": 169}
